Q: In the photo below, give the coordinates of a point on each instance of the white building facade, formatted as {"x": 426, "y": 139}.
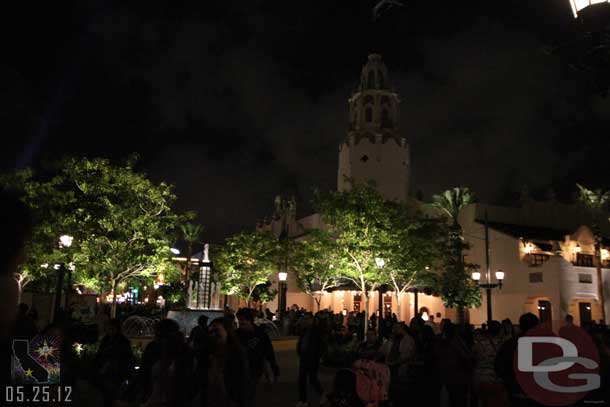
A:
{"x": 543, "y": 248}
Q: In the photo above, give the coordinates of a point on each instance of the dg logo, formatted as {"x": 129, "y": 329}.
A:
{"x": 557, "y": 370}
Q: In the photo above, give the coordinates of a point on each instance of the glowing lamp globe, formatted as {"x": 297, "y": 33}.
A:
{"x": 65, "y": 241}
{"x": 283, "y": 276}
{"x": 579, "y": 5}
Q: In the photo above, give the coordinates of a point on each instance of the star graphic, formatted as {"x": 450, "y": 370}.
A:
{"x": 46, "y": 351}
{"x": 28, "y": 373}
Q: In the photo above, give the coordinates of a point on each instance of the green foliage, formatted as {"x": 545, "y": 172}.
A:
{"x": 246, "y": 261}
{"x": 264, "y": 292}
{"x": 418, "y": 250}
{"x": 121, "y": 221}
{"x": 361, "y": 225}
{"x": 452, "y": 201}
{"x": 50, "y": 207}
{"x": 365, "y": 228}
{"x": 455, "y": 284}
{"x": 595, "y": 200}
{"x": 313, "y": 259}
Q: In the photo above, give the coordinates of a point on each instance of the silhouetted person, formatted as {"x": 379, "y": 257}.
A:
{"x": 166, "y": 368}
{"x": 309, "y": 350}
{"x": 199, "y": 336}
{"x": 228, "y": 373}
{"x": 114, "y": 361}
{"x": 504, "y": 363}
{"x": 371, "y": 348}
{"x": 344, "y": 392}
{"x": 25, "y": 327}
{"x": 15, "y": 222}
{"x": 489, "y": 388}
{"x": 456, "y": 365}
{"x": 257, "y": 344}
{"x": 569, "y": 325}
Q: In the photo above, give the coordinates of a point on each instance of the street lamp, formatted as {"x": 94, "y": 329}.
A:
{"x": 488, "y": 286}
{"x": 578, "y": 5}
{"x": 282, "y": 277}
{"x": 65, "y": 241}
{"x": 174, "y": 251}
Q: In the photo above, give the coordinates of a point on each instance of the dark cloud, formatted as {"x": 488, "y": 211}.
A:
{"x": 235, "y": 101}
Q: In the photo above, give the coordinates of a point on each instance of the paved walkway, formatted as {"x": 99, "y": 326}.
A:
{"x": 285, "y": 392}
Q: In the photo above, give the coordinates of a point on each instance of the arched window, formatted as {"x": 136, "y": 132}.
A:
{"x": 385, "y": 100}
{"x": 381, "y": 80}
{"x": 368, "y": 115}
{"x": 386, "y": 121}
{"x": 371, "y": 80}
{"x": 368, "y": 99}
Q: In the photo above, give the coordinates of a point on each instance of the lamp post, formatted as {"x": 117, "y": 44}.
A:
{"x": 380, "y": 264}
{"x": 282, "y": 277}
{"x": 488, "y": 285}
{"x": 65, "y": 241}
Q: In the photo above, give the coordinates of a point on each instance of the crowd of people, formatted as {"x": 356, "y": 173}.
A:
{"x": 443, "y": 364}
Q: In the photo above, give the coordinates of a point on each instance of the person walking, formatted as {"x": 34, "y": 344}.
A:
{"x": 114, "y": 361}
{"x": 489, "y": 387}
{"x": 228, "y": 373}
{"x": 309, "y": 351}
{"x": 258, "y": 346}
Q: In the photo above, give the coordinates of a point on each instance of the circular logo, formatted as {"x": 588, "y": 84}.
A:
{"x": 557, "y": 370}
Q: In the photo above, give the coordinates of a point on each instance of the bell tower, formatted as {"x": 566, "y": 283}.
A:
{"x": 373, "y": 149}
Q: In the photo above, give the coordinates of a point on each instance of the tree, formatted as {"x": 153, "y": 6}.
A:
{"x": 51, "y": 216}
{"x": 124, "y": 221}
{"x": 362, "y": 225}
{"x": 264, "y": 292}
{"x": 313, "y": 260}
{"x": 246, "y": 261}
{"x": 455, "y": 285}
{"x": 120, "y": 221}
{"x": 596, "y": 203}
{"x": 415, "y": 253}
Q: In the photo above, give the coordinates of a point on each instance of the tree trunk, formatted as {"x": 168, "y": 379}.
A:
{"x": 461, "y": 317}
{"x": 366, "y": 312}
{"x": 398, "y": 305}
{"x": 317, "y": 300}
{"x": 113, "y": 292}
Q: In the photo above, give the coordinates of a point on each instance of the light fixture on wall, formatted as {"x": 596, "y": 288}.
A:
{"x": 577, "y": 248}
{"x": 500, "y": 278}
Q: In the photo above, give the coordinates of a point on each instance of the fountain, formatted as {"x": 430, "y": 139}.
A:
{"x": 203, "y": 297}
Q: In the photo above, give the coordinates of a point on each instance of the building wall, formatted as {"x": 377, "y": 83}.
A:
{"x": 385, "y": 162}
{"x": 560, "y": 283}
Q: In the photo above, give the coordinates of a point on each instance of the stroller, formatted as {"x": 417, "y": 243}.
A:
{"x": 372, "y": 382}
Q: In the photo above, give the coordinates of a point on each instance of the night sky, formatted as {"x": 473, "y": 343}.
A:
{"x": 235, "y": 101}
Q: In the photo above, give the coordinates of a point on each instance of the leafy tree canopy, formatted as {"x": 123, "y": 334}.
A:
{"x": 246, "y": 261}
{"x": 121, "y": 221}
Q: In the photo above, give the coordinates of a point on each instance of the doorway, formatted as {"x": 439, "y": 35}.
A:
{"x": 544, "y": 311}
{"x": 584, "y": 311}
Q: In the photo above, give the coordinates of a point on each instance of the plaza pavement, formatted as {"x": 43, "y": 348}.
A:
{"x": 285, "y": 392}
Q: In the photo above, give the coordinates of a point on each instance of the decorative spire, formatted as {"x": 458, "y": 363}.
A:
{"x": 374, "y": 106}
